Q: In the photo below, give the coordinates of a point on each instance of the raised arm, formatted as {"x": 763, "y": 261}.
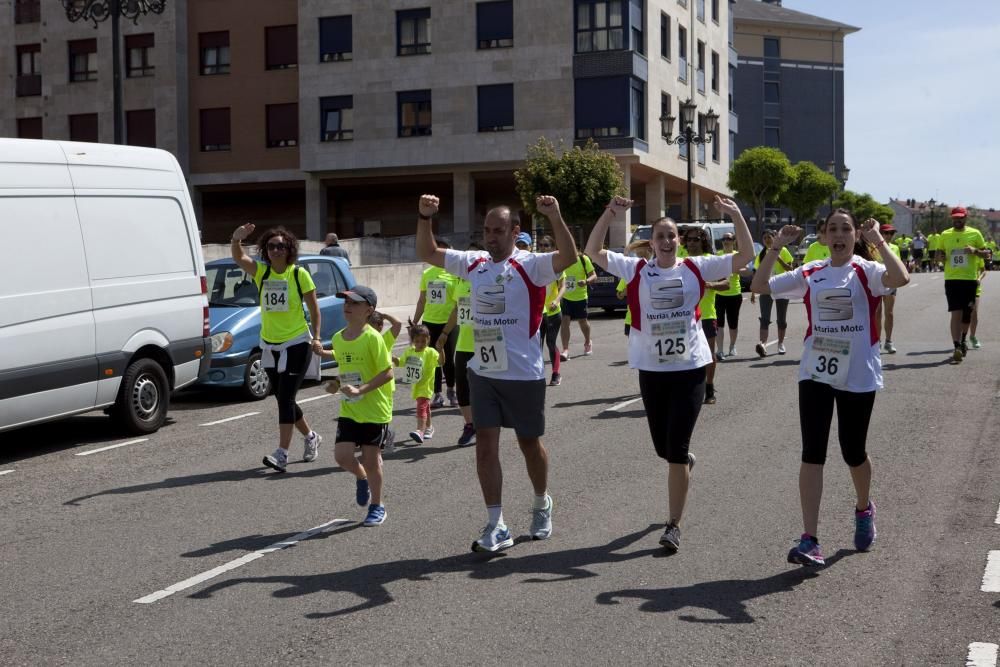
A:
{"x": 895, "y": 274}
{"x": 395, "y": 325}
{"x": 595, "y": 243}
{"x": 427, "y": 249}
{"x": 744, "y": 241}
{"x": 760, "y": 284}
{"x": 565, "y": 245}
{"x": 244, "y": 260}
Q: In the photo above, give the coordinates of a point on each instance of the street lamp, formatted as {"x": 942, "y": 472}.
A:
{"x": 831, "y": 168}
{"x": 101, "y": 10}
{"x": 688, "y": 136}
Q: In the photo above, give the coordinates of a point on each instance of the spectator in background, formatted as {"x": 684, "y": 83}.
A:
{"x": 333, "y": 248}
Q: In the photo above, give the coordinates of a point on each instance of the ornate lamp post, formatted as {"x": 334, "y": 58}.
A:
{"x": 831, "y": 168}
{"x": 100, "y": 10}
{"x": 688, "y": 136}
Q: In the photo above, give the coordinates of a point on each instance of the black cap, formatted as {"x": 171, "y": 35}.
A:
{"x": 360, "y": 294}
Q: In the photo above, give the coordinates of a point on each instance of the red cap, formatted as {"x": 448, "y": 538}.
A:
{"x": 886, "y": 228}
{"x": 959, "y": 212}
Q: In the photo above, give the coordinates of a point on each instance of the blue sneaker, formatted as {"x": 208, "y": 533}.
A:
{"x": 864, "y": 527}
{"x": 494, "y": 538}
{"x": 364, "y": 494}
{"x": 807, "y": 552}
{"x": 541, "y": 521}
{"x": 376, "y": 515}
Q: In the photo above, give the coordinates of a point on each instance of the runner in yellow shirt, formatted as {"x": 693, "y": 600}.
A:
{"x": 418, "y": 363}
{"x": 552, "y": 315}
{"x": 975, "y": 309}
{"x": 578, "y": 276}
{"x": 958, "y": 245}
{"x": 884, "y": 313}
{"x": 783, "y": 263}
{"x": 434, "y": 306}
{"x": 817, "y": 249}
{"x": 377, "y": 322}
{"x": 728, "y": 303}
{"x": 465, "y": 348}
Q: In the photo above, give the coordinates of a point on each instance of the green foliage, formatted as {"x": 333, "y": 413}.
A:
{"x": 810, "y": 188}
{"x": 941, "y": 220}
{"x": 864, "y": 206}
{"x": 582, "y": 179}
{"x": 758, "y": 176}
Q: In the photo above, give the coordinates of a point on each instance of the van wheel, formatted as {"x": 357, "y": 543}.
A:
{"x": 143, "y": 397}
{"x": 256, "y": 383}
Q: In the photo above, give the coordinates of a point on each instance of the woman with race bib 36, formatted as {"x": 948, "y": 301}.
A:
{"x": 666, "y": 342}
{"x": 840, "y": 361}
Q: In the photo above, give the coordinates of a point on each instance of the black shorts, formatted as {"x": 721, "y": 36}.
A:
{"x": 710, "y": 328}
{"x": 918, "y": 253}
{"x": 854, "y": 413}
{"x": 574, "y": 310}
{"x": 961, "y": 294}
{"x": 516, "y": 404}
{"x": 727, "y": 307}
{"x": 361, "y": 433}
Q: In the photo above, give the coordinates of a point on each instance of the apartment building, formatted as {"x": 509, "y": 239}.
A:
{"x": 337, "y": 114}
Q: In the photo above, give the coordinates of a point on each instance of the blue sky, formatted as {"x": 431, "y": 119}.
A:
{"x": 922, "y": 98}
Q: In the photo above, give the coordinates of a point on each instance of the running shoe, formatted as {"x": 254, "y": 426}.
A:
{"x": 541, "y": 521}
{"x": 975, "y": 343}
{"x": 691, "y": 461}
{"x": 468, "y": 436}
{"x": 806, "y": 552}
{"x": 452, "y": 398}
{"x": 671, "y": 538}
{"x": 720, "y": 355}
{"x": 957, "y": 355}
{"x": 389, "y": 447}
{"x": 376, "y": 516}
{"x": 278, "y": 460}
{"x": 889, "y": 347}
{"x": 732, "y": 352}
{"x": 417, "y": 437}
{"x": 428, "y": 433}
{"x": 362, "y": 493}
{"x": 564, "y": 355}
{"x": 965, "y": 349}
{"x": 781, "y": 348}
{"x": 556, "y": 380}
{"x": 588, "y": 349}
{"x": 311, "y": 446}
{"x": 864, "y": 527}
{"x": 761, "y": 351}
{"x": 438, "y": 401}
{"x": 494, "y": 538}
{"x": 710, "y": 398}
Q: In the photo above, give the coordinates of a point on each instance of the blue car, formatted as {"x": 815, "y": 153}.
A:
{"x": 234, "y": 316}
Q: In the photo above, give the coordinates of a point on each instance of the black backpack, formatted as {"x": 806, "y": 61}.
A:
{"x": 267, "y": 272}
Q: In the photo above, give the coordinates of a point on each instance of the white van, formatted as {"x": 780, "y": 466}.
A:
{"x": 103, "y": 297}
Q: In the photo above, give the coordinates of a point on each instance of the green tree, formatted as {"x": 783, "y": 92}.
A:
{"x": 582, "y": 179}
{"x": 864, "y": 206}
{"x": 758, "y": 176}
{"x": 810, "y": 187}
{"x": 941, "y": 220}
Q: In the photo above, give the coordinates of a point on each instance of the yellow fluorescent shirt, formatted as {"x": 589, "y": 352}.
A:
{"x": 428, "y": 361}
{"x": 438, "y": 288}
{"x": 550, "y": 297}
{"x": 784, "y": 255}
{"x": 958, "y": 265}
{"x": 576, "y": 278}
{"x": 621, "y": 287}
{"x": 359, "y": 361}
{"x": 734, "y": 288}
{"x": 281, "y": 315}
{"x": 816, "y": 250}
{"x": 463, "y": 294}
{"x": 707, "y": 305}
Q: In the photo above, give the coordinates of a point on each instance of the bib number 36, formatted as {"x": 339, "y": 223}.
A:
{"x": 829, "y": 360}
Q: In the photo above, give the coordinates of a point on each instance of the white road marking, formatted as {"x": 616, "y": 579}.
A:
{"x": 104, "y": 449}
{"x": 981, "y": 655}
{"x": 314, "y": 398}
{"x": 233, "y": 564}
{"x": 618, "y": 406}
{"x": 991, "y": 578}
{"x": 773, "y": 342}
{"x": 230, "y": 419}
{"x": 6, "y": 472}
{"x": 997, "y": 520}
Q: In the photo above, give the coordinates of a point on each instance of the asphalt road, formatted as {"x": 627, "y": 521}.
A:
{"x": 188, "y": 515}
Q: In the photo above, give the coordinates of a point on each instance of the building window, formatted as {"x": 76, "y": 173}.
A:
{"x": 414, "y": 113}
{"x": 282, "y": 125}
{"x": 772, "y": 132}
{"x": 772, "y": 47}
{"x": 83, "y": 60}
{"x": 700, "y": 61}
{"x": 29, "y": 128}
{"x": 29, "y": 78}
{"x": 599, "y": 26}
{"x": 732, "y": 85}
{"x": 140, "y": 128}
{"x": 682, "y": 53}
{"x": 772, "y": 92}
{"x": 715, "y": 10}
{"x": 83, "y": 127}
{"x": 413, "y": 32}
{"x": 495, "y": 24}
{"x": 638, "y": 110}
{"x": 732, "y": 147}
{"x": 335, "y": 39}
{"x": 700, "y": 10}
{"x": 138, "y": 54}
{"x": 215, "y": 133}
{"x": 214, "y": 49}
{"x": 282, "y": 47}
{"x": 715, "y": 147}
{"x": 27, "y": 11}
{"x": 602, "y": 107}
{"x": 637, "y": 23}
{"x": 665, "y": 36}
{"x": 664, "y": 108}
{"x": 496, "y": 107}
{"x": 336, "y": 118}
{"x": 701, "y": 133}
{"x": 715, "y": 71}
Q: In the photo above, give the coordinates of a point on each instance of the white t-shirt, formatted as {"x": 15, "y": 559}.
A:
{"x": 842, "y": 341}
{"x": 666, "y": 333}
{"x": 507, "y": 302}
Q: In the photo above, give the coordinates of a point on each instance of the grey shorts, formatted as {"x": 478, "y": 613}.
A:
{"x": 516, "y": 404}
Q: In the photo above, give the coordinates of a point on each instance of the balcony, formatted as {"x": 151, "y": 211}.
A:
{"x": 29, "y": 85}
{"x": 27, "y": 11}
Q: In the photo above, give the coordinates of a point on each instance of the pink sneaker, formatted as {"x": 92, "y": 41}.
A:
{"x": 588, "y": 349}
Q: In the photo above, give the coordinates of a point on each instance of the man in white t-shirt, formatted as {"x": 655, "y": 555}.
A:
{"x": 506, "y": 372}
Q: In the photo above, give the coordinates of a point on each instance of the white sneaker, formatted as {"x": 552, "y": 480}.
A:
{"x": 732, "y": 352}
{"x": 311, "y": 446}
{"x": 541, "y": 521}
{"x": 781, "y": 348}
{"x": 428, "y": 433}
{"x": 278, "y": 461}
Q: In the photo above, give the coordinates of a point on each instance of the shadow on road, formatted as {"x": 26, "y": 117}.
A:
{"x": 82, "y": 430}
{"x": 930, "y": 364}
{"x": 370, "y": 582}
{"x": 607, "y": 414}
{"x": 774, "y": 364}
{"x": 251, "y": 543}
{"x": 728, "y": 597}
{"x": 925, "y": 352}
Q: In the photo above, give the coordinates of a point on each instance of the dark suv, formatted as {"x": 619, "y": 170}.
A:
{"x": 601, "y": 292}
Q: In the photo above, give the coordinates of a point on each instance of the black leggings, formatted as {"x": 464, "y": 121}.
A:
{"x": 673, "y": 401}
{"x": 462, "y": 379}
{"x": 449, "y": 356}
{"x": 854, "y": 412}
{"x": 727, "y": 307}
{"x": 780, "y": 307}
{"x": 549, "y": 335}
{"x": 287, "y": 384}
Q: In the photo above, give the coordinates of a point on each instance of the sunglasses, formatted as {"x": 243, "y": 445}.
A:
{"x": 277, "y": 246}
{"x": 692, "y": 238}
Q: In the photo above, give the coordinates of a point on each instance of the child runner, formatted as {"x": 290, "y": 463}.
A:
{"x": 365, "y": 373}
{"x": 418, "y": 364}
{"x": 840, "y": 362}
{"x": 666, "y": 343}
{"x": 552, "y": 315}
{"x": 783, "y": 263}
{"x": 728, "y": 302}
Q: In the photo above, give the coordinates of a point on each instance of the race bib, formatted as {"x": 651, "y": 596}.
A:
{"x": 437, "y": 293}
{"x": 829, "y": 360}
{"x": 491, "y": 349}
{"x": 670, "y": 342}
{"x": 959, "y": 259}
{"x": 570, "y": 283}
{"x": 353, "y": 379}
{"x": 464, "y": 310}
{"x": 274, "y": 296}
{"x": 412, "y": 370}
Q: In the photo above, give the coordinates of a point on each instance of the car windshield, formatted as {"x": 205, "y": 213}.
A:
{"x": 229, "y": 286}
